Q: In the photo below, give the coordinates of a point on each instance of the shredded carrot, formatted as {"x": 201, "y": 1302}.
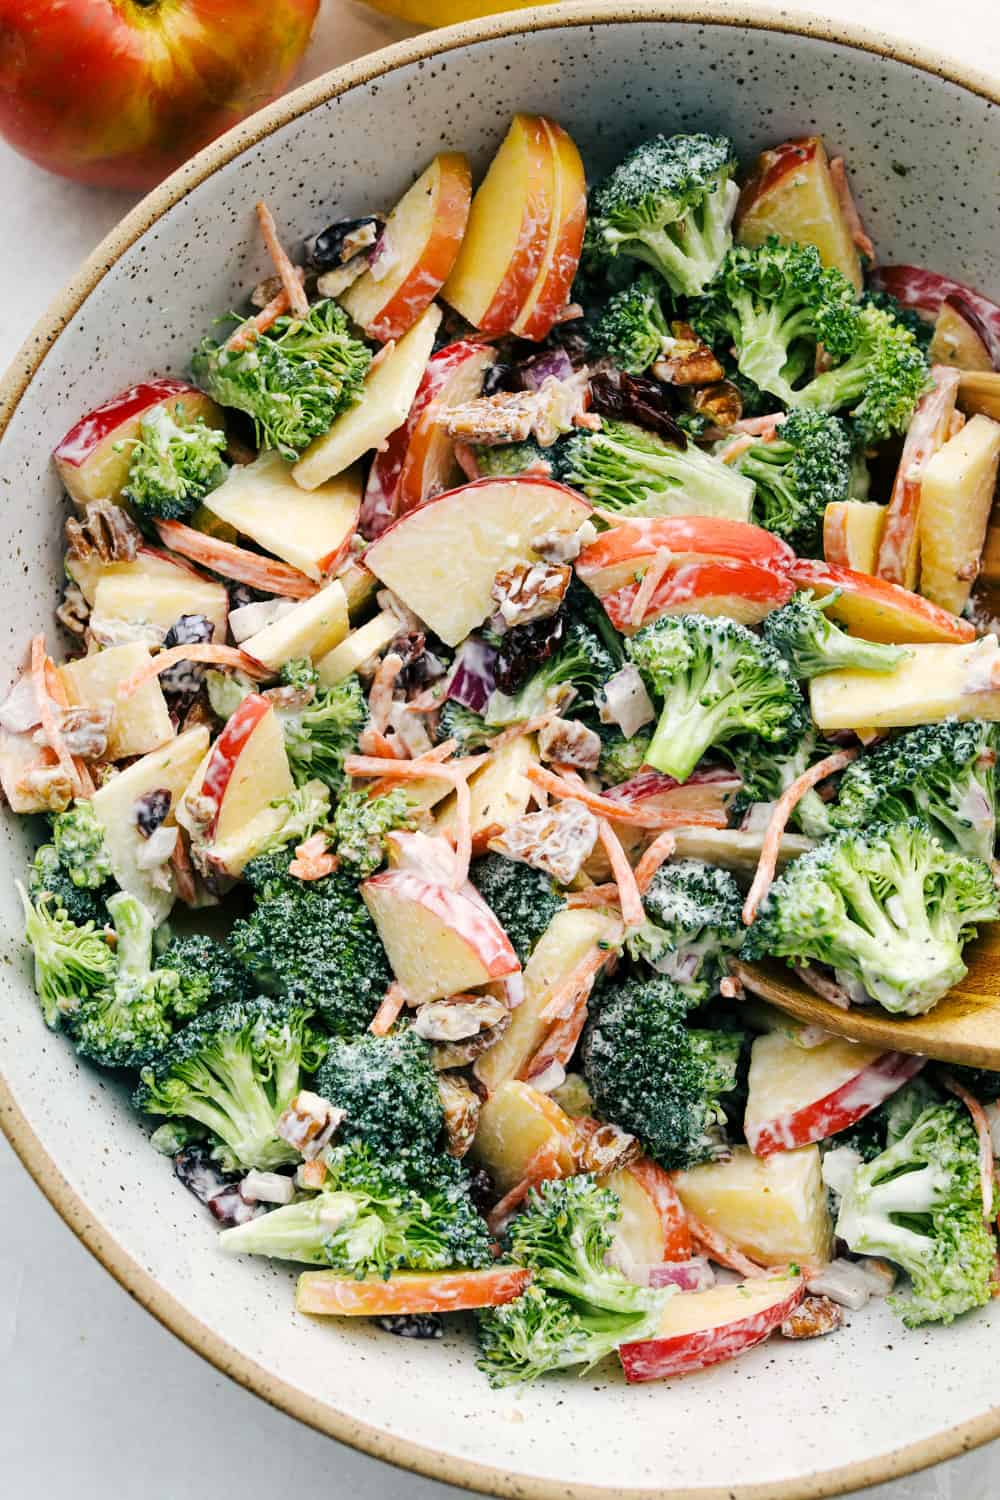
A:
{"x": 39, "y": 678}
{"x": 313, "y": 859}
{"x": 651, "y": 580}
{"x": 527, "y": 726}
{"x": 297, "y": 300}
{"x": 731, "y": 452}
{"x": 418, "y": 770}
{"x": 57, "y": 692}
{"x": 594, "y": 895}
{"x": 251, "y": 328}
{"x": 312, "y": 1174}
{"x": 783, "y": 809}
{"x": 225, "y": 558}
{"x": 545, "y": 1164}
{"x": 565, "y": 997}
{"x": 623, "y": 812}
{"x": 223, "y": 656}
{"x": 388, "y": 1012}
{"x": 560, "y": 1044}
{"x": 438, "y": 753}
{"x": 657, "y": 854}
{"x": 762, "y": 427}
{"x": 982, "y": 1124}
{"x": 382, "y": 689}
{"x": 624, "y": 876}
{"x": 373, "y": 742}
{"x": 722, "y": 1250}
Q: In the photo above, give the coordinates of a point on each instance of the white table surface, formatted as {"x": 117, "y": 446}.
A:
{"x": 97, "y": 1401}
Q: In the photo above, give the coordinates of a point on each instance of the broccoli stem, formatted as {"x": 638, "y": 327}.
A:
{"x": 248, "y": 1129}
{"x": 298, "y": 1231}
{"x": 683, "y": 735}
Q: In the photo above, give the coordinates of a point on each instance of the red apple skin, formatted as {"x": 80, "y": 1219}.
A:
{"x": 429, "y": 465}
{"x": 562, "y": 257}
{"x": 657, "y": 1359}
{"x": 925, "y": 291}
{"x": 529, "y": 252}
{"x": 473, "y": 920}
{"x": 610, "y": 560}
{"x": 118, "y": 93}
{"x": 740, "y": 591}
{"x": 227, "y": 750}
{"x": 839, "y": 1109}
{"x": 670, "y": 1210}
{"x": 877, "y": 610}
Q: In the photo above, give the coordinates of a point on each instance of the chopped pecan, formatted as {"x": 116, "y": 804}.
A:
{"x": 564, "y": 546}
{"x": 265, "y": 291}
{"x": 461, "y": 1112}
{"x": 290, "y": 699}
{"x": 529, "y": 591}
{"x": 687, "y": 359}
{"x": 557, "y": 840}
{"x": 308, "y": 1123}
{"x": 459, "y": 1017}
{"x": 513, "y": 416}
{"x": 605, "y": 1148}
{"x": 74, "y": 611}
{"x": 85, "y": 730}
{"x": 812, "y": 1319}
{"x": 48, "y": 785}
{"x": 721, "y": 403}
{"x": 570, "y": 742}
{"x": 106, "y": 530}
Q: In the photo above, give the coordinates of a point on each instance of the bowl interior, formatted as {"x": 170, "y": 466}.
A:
{"x": 924, "y": 156}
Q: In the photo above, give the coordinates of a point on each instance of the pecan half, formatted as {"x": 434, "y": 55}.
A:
{"x": 571, "y": 743}
{"x": 74, "y": 611}
{"x": 529, "y": 591}
{"x": 48, "y": 785}
{"x": 458, "y": 1018}
{"x": 557, "y": 840}
{"x": 461, "y": 1112}
{"x": 721, "y": 403}
{"x": 85, "y": 730}
{"x": 687, "y": 360}
{"x": 812, "y": 1319}
{"x": 106, "y": 530}
{"x": 446, "y": 1055}
{"x": 606, "y": 1148}
{"x": 308, "y": 1123}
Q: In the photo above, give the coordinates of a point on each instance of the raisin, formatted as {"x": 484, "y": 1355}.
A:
{"x": 412, "y": 1325}
{"x": 638, "y": 399}
{"x": 186, "y": 676}
{"x": 150, "y": 810}
{"x": 524, "y": 649}
{"x": 341, "y": 241}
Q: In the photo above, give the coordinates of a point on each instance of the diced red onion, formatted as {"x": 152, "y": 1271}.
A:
{"x": 474, "y": 674}
{"x": 694, "y": 1275}
{"x": 534, "y": 372}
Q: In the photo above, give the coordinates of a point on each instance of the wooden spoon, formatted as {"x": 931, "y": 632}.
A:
{"x": 963, "y": 1028}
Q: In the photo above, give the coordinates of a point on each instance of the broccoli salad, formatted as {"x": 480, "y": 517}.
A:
{"x": 536, "y": 610}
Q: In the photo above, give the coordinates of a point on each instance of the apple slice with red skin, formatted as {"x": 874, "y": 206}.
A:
{"x": 798, "y": 1095}
{"x": 419, "y": 244}
{"x": 960, "y": 337}
{"x": 441, "y": 559}
{"x": 429, "y": 464}
{"x": 90, "y": 463}
{"x": 621, "y": 554}
{"x": 740, "y": 591}
{"x": 879, "y": 611}
{"x": 327, "y": 1293}
{"x": 926, "y": 291}
{"x": 247, "y": 768}
{"x": 698, "y": 1329}
{"x": 791, "y": 193}
{"x": 653, "y": 1226}
{"x": 551, "y": 290}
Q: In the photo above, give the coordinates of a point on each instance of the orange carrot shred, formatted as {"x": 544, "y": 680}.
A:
{"x": 418, "y": 770}
{"x": 783, "y": 809}
{"x": 387, "y": 1014}
{"x": 251, "y": 328}
{"x": 722, "y": 1250}
{"x": 39, "y": 678}
{"x": 657, "y": 854}
{"x": 624, "y": 876}
{"x": 622, "y": 812}
{"x": 263, "y": 573}
{"x": 57, "y": 692}
{"x": 224, "y": 656}
{"x": 542, "y": 1166}
{"x": 560, "y": 1044}
{"x": 313, "y": 859}
{"x": 564, "y": 998}
{"x": 297, "y": 300}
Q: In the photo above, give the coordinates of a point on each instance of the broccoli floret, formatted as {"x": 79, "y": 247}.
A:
{"x": 174, "y": 463}
{"x": 79, "y": 842}
{"x": 657, "y": 1077}
{"x": 805, "y": 469}
{"x": 207, "y": 970}
{"x": 582, "y": 662}
{"x": 313, "y": 942}
{"x": 669, "y": 204}
{"x": 373, "y": 1216}
{"x": 881, "y": 381}
{"x": 293, "y": 380}
{"x": 887, "y": 905}
{"x": 943, "y": 773}
{"x": 767, "y": 770}
{"x": 523, "y": 900}
{"x": 622, "y": 759}
{"x": 775, "y": 303}
{"x": 577, "y": 1308}
{"x": 360, "y": 825}
{"x": 319, "y": 736}
{"x": 505, "y": 459}
{"x": 72, "y": 962}
{"x": 803, "y": 633}
{"x": 303, "y": 812}
{"x": 920, "y": 1204}
{"x": 469, "y": 729}
{"x": 715, "y": 680}
{"x": 48, "y": 877}
{"x": 388, "y": 1087}
{"x": 633, "y": 328}
{"x": 624, "y": 468}
{"x": 693, "y": 922}
{"x": 890, "y": 1121}
{"x": 235, "y": 1070}
{"x": 921, "y": 328}
{"x": 299, "y": 673}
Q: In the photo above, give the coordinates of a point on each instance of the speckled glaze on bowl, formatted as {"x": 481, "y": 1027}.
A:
{"x": 922, "y": 140}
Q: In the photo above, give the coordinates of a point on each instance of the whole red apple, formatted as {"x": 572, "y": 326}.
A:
{"x": 120, "y": 92}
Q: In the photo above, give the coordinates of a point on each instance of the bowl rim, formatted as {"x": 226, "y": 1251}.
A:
{"x": 136, "y": 1279}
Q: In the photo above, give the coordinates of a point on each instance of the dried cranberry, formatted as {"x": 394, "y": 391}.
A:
{"x": 342, "y": 241}
{"x": 412, "y": 1325}
{"x": 523, "y": 649}
{"x": 186, "y": 676}
{"x": 242, "y": 593}
{"x": 200, "y": 1174}
{"x": 230, "y": 1209}
{"x": 638, "y": 399}
{"x": 501, "y": 377}
{"x": 150, "y": 809}
{"x": 482, "y": 1190}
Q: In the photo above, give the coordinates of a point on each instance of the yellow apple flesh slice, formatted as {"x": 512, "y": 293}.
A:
{"x": 312, "y": 628}
{"x": 698, "y": 1329}
{"x": 158, "y": 600}
{"x": 420, "y": 242}
{"x": 169, "y": 768}
{"x": 956, "y": 342}
{"x": 385, "y": 400}
{"x": 517, "y": 1123}
{"x": 439, "y": 941}
{"x": 852, "y": 534}
{"x": 499, "y": 793}
{"x": 442, "y": 558}
{"x": 140, "y": 722}
{"x": 772, "y": 1208}
{"x": 551, "y": 290}
{"x": 931, "y": 684}
{"x": 735, "y": 850}
{"x": 149, "y": 562}
{"x": 407, "y": 1292}
{"x": 308, "y": 529}
{"x": 957, "y": 486}
{"x": 791, "y": 193}
{"x": 357, "y": 648}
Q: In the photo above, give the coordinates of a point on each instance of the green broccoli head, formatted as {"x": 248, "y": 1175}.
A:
{"x": 72, "y": 962}
{"x": 582, "y": 661}
{"x": 888, "y": 907}
{"x": 48, "y": 877}
{"x": 805, "y": 469}
{"x": 632, "y": 329}
{"x": 810, "y": 642}
{"x": 319, "y": 736}
{"x": 669, "y": 204}
{"x": 299, "y": 673}
{"x": 775, "y": 303}
{"x": 943, "y": 773}
{"x": 693, "y": 923}
{"x": 920, "y": 1204}
{"x": 503, "y": 460}
{"x": 622, "y": 758}
{"x": 541, "y": 1332}
{"x": 388, "y": 1087}
{"x": 304, "y": 811}
{"x": 767, "y": 770}
{"x": 880, "y": 382}
{"x": 207, "y": 970}
{"x": 375, "y": 1215}
{"x": 174, "y": 463}
{"x": 624, "y": 468}
{"x": 921, "y": 328}
{"x": 79, "y": 841}
{"x": 293, "y": 380}
{"x": 235, "y": 1069}
{"x": 470, "y": 730}
{"x": 313, "y": 942}
{"x": 657, "y": 1077}
{"x": 715, "y": 680}
{"x": 523, "y": 900}
{"x": 361, "y": 823}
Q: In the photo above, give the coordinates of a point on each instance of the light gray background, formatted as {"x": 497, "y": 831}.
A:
{"x": 97, "y": 1401}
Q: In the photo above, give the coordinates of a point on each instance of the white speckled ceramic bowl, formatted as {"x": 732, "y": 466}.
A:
{"x": 923, "y": 143}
